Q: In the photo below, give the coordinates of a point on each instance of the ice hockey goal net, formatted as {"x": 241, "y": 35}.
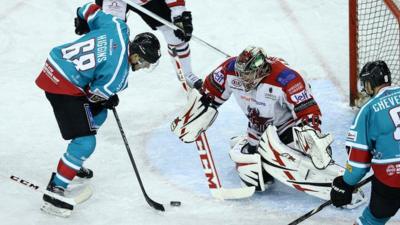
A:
{"x": 374, "y": 30}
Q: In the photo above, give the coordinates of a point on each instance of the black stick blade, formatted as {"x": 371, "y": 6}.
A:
{"x": 155, "y": 205}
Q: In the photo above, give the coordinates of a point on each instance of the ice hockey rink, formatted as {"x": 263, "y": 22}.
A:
{"x": 312, "y": 36}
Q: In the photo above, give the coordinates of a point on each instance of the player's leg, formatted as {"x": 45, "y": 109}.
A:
{"x": 248, "y": 164}
{"x": 383, "y": 205}
{"x": 76, "y": 123}
{"x": 160, "y": 8}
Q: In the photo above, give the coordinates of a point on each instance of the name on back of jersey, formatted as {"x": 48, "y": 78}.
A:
{"x": 101, "y": 53}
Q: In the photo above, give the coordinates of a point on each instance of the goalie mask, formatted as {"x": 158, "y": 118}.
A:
{"x": 374, "y": 74}
{"x": 252, "y": 66}
{"x": 144, "y": 51}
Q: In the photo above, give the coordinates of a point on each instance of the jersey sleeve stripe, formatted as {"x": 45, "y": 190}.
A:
{"x": 385, "y": 161}
{"x": 361, "y": 156}
{"x": 356, "y": 145}
{"x": 92, "y": 9}
{"x": 174, "y": 3}
{"x": 92, "y": 16}
{"x": 359, "y": 165}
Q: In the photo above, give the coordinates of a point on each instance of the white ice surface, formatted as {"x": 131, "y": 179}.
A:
{"x": 311, "y": 35}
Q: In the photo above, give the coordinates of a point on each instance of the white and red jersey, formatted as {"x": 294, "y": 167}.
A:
{"x": 282, "y": 98}
{"x": 118, "y": 8}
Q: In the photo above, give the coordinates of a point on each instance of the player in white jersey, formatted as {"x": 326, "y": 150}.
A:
{"x": 171, "y": 10}
{"x": 268, "y": 92}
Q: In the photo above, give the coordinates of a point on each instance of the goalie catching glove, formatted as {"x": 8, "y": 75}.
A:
{"x": 314, "y": 144}
{"x": 198, "y": 114}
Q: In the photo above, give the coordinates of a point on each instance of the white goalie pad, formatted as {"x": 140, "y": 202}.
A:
{"x": 297, "y": 171}
{"x": 194, "y": 119}
{"x": 248, "y": 166}
{"x": 314, "y": 144}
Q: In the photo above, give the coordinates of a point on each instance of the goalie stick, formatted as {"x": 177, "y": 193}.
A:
{"x": 83, "y": 195}
{"x": 322, "y": 206}
{"x": 214, "y": 184}
{"x": 202, "y": 144}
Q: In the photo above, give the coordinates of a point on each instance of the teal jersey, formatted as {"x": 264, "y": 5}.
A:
{"x": 98, "y": 61}
{"x": 374, "y": 139}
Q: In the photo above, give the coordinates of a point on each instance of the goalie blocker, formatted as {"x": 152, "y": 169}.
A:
{"x": 198, "y": 114}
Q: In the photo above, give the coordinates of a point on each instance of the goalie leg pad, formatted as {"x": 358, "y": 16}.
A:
{"x": 196, "y": 117}
{"x": 248, "y": 166}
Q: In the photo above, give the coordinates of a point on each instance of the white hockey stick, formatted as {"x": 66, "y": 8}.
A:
{"x": 84, "y": 195}
{"x": 171, "y": 25}
{"x": 206, "y": 158}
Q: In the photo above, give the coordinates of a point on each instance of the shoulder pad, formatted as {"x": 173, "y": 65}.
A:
{"x": 286, "y": 76}
{"x": 230, "y": 65}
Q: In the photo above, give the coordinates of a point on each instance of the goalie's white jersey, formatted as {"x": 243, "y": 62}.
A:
{"x": 282, "y": 98}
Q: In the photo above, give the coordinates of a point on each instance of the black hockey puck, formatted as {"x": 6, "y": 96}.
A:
{"x": 175, "y": 203}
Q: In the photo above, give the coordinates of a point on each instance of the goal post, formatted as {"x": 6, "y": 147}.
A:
{"x": 374, "y": 34}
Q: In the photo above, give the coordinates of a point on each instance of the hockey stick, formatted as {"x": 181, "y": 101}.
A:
{"x": 84, "y": 195}
{"x": 152, "y": 203}
{"x": 206, "y": 158}
{"x": 327, "y": 203}
{"x": 171, "y": 25}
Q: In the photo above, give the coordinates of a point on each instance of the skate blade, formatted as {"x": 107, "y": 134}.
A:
{"x": 52, "y": 210}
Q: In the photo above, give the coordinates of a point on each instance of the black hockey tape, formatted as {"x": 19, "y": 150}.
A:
{"x": 175, "y": 203}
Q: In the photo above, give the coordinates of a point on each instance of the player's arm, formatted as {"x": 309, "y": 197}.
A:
{"x": 216, "y": 83}
{"x": 359, "y": 160}
{"x": 201, "y": 109}
{"x": 182, "y": 18}
{"x": 91, "y": 17}
{"x": 300, "y": 99}
{"x": 358, "y": 163}
{"x": 111, "y": 78}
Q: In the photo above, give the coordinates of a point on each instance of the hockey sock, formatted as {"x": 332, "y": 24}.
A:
{"x": 183, "y": 52}
{"x": 77, "y": 152}
{"x": 367, "y": 218}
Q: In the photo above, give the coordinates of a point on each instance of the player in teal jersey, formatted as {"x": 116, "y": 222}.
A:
{"x": 373, "y": 141}
{"x": 81, "y": 80}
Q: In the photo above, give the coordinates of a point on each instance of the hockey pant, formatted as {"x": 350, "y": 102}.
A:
{"x": 78, "y": 121}
{"x": 384, "y": 203}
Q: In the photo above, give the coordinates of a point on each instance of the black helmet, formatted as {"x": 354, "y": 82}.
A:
{"x": 376, "y": 73}
{"x": 147, "y": 46}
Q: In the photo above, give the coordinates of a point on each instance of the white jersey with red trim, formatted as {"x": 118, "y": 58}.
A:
{"x": 282, "y": 98}
{"x": 118, "y": 8}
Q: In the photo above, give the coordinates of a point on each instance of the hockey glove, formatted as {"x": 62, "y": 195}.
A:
{"x": 81, "y": 26}
{"x": 198, "y": 114}
{"x": 249, "y": 149}
{"x": 341, "y": 192}
{"x": 111, "y": 102}
{"x": 184, "y": 21}
{"x": 198, "y": 84}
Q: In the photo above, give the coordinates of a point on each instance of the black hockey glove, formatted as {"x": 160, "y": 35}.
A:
{"x": 249, "y": 149}
{"x": 184, "y": 21}
{"x": 341, "y": 192}
{"x": 81, "y": 26}
{"x": 208, "y": 100}
{"x": 111, "y": 102}
{"x": 198, "y": 84}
